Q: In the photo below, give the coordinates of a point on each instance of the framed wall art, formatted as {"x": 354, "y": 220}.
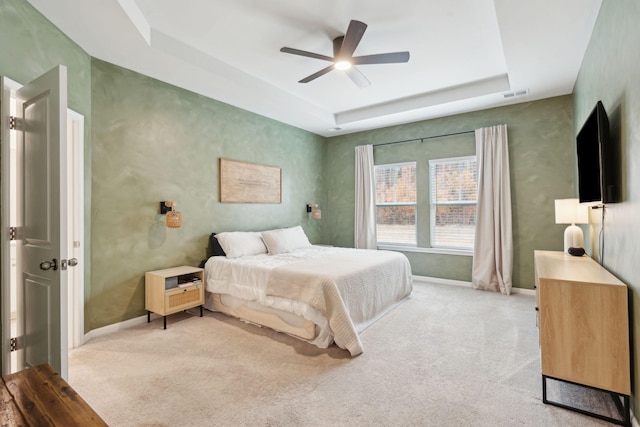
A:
{"x": 244, "y": 182}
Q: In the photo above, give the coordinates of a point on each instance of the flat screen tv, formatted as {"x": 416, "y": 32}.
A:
{"x": 598, "y": 163}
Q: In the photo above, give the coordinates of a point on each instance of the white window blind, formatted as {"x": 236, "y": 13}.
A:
{"x": 396, "y": 203}
{"x": 454, "y": 201}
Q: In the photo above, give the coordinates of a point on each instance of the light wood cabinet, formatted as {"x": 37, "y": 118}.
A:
{"x": 583, "y": 320}
{"x": 173, "y": 289}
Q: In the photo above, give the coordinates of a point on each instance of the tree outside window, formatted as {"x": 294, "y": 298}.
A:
{"x": 396, "y": 197}
{"x": 454, "y": 202}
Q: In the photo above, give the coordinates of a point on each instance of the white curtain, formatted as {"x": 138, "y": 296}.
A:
{"x": 365, "y": 212}
{"x": 493, "y": 252}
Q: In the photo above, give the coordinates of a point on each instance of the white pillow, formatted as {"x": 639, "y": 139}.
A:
{"x": 241, "y": 243}
{"x": 285, "y": 240}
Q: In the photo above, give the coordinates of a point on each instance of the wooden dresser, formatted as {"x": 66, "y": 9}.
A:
{"x": 583, "y": 325}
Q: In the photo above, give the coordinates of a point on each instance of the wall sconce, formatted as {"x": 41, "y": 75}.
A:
{"x": 316, "y": 213}
{"x": 173, "y": 217}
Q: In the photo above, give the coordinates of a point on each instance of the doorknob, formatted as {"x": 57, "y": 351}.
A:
{"x": 46, "y": 265}
{"x": 72, "y": 262}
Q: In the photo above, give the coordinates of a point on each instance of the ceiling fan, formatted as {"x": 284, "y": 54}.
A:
{"x": 343, "y": 59}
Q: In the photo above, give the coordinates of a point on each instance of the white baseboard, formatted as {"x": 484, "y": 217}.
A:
{"x": 114, "y": 327}
{"x": 138, "y": 320}
{"x": 634, "y": 420}
{"x": 440, "y": 281}
{"x": 462, "y": 283}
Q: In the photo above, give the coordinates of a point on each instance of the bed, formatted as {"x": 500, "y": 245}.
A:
{"x": 319, "y": 294}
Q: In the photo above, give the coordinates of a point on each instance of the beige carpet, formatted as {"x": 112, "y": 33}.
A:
{"x": 449, "y": 356}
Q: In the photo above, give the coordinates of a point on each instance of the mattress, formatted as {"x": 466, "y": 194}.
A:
{"x": 341, "y": 291}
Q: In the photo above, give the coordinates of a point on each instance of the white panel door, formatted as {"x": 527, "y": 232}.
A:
{"x": 42, "y": 159}
{"x": 9, "y": 246}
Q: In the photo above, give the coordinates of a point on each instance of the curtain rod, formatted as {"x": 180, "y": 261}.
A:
{"x": 424, "y": 137}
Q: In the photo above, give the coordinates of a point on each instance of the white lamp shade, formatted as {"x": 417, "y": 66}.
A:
{"x": 570, "y": 211}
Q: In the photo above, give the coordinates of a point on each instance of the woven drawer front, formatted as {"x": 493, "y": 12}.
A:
{"x": 185, "y": 297}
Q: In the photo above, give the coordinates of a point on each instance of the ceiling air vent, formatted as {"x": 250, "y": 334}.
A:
{"x": 516, "y": 93}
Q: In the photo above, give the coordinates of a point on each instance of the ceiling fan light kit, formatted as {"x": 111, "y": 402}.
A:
{"x": 343, "y": 65}
{"x": 343, "y": 59}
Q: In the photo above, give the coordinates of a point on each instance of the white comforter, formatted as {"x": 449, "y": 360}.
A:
{"x": 341, "y": 290}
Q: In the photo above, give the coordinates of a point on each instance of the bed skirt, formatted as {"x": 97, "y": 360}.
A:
{"x": 255, "y": 313}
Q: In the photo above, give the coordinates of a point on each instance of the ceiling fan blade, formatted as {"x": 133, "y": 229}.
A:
{"x": 357, "y": 77}
{"x": 381, "y": 58}
{"x": 305, "y": 53}
{"x": 352, "y": 38}
{"x": 316, "y": 75}
{"x": 337, "y": 46}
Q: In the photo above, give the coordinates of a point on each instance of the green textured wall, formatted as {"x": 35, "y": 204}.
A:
{"x": 610, "y": 72}
{"x": 30, "y": 46}
{"x": 152, "y": 142}
{"x": 542, "y": 167}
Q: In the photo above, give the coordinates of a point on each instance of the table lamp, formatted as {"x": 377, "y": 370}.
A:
{"x": 570, "y": 211}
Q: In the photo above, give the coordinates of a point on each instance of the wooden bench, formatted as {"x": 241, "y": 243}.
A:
{"x": 40, "y": 397}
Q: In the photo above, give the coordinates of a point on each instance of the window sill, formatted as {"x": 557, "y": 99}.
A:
{"x": 440, "y": 251}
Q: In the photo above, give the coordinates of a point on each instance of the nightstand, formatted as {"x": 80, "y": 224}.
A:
{"x": 173, "y": 289}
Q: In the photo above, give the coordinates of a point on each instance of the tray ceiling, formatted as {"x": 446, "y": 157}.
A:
{"x": 465, "y": 54}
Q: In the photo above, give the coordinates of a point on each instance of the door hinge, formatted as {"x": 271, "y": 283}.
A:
{"x": 13, "y": 344}
{"x": 13, "y": 233}
{"x": 12, "y": 122}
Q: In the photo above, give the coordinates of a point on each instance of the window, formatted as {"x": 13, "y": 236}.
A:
{"x": 454, "y": 202}
{"x": 396, "y": 203}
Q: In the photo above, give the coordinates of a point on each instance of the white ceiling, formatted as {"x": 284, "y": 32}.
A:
{"x": 465, "y": 54}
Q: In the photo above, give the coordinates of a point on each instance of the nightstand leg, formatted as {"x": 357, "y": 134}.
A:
{"x": 200, "y": 311}
{"x": 164, "y": 318}
{"x": 148, "y": 316}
